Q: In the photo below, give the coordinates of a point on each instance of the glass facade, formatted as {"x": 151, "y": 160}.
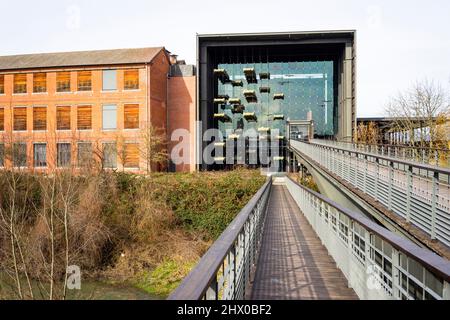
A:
{"x": 305, "y": 86}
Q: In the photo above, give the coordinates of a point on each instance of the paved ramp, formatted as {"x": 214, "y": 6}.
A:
{"x": 293, "y": 263}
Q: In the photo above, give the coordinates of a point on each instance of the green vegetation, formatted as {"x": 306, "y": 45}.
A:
{"x": 206, "y": 203}
{"x": 306, "y": 180}
{"x": 165, "y": 277}
{"x": 119, "y": 228}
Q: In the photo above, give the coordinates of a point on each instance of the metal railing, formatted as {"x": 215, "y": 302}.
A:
{"x": 223, "y": 273}
{"x": 432, "y": 156}
{"x": 417, "y": 192}
{"x": 377, "y": 263}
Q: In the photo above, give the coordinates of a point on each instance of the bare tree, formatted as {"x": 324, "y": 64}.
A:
{"x": 419, "y": 114}
{"x": 368, "y": 134}
{"x": 121, "y": 150}
{"x": 153, "y": 148}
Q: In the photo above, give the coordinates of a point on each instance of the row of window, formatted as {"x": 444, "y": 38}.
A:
{"x": 63, "y": 81}
{"x": 85, "y": 155}
{"x": 63, "y": 117}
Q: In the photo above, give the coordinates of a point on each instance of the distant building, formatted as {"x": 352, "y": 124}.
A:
{"x": 56, "y": 109}
{"x": 389, "y": 135}
{"x": 59, "y": 109}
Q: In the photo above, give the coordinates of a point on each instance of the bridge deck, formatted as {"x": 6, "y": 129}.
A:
{"x": 293, "y": 263}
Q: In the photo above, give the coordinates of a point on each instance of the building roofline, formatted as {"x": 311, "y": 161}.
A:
{"x": 74, "y": 59}
{"x": 281, "y": 33}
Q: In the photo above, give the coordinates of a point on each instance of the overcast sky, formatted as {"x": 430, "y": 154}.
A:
{"x": 398, "y": 42}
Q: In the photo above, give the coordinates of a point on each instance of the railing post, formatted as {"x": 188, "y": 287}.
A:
{"x": 409, "y": 187}
{"x": 434, "y": 201}
{"x": 349, "y": 253}
{"x": 212, "y": 292}
{"x": 391, "y": 182}
{"x": 395, "y": 273}
{"x": 232, "y": 278}
{"x": 252, "y": 237}
{"x": 366, "y": 169}
{"x": 246, "y": 259}
{"x": 327, "y": 154}
{"x": 349, "y": 162}
{"x": 377, "y": 177}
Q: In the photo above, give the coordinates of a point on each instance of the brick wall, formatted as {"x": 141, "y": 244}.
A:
{"x": 151, "y": 97}
{"x": 182, "y": 114}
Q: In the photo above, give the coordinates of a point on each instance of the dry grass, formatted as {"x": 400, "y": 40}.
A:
{"x": 123, "y": 228}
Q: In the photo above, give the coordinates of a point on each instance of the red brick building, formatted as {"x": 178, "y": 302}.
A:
{"x": 61, "y": 109}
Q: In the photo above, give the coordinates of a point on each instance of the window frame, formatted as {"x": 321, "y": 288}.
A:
{"x": 114, "y": 108}
{"x": 126, "y": 163}
{"x": 113, "y": 81}
{"x": 34, "y": 120}
{"x": 78, "y": 117}
{"x": 45, "y": 162}
{"x": 114, "y": 160}
{"x": 14, "y": 119}
{"x": 2, "y": 84}
{"x": 91, "y": 158}
{"x": 15, "y": 151}
{"x": 125, "y": 126}
{"x": 15, "y": 85}
{"x": 58, "y": 90}
{"x": 125, "y": 87}
{"x": 44, "y": 88}
{"x": 58, "y": 155}
{"x": 2, "y": 155}
{"x": 2, "y": 119}
{"x": 84, "y": 88}
{"x": 57, "y": 118}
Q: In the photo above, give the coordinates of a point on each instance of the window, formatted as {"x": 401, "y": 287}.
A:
{"x": 84, "y": 156}
{"x": 109, "y": 155}
{"x": 20, "y": 119}
{"x": 40, "y": 82}
{"x": 2, "y": 155}
{"x": 20, "y": 155}
{"x": 2, "y": 83}
{"x": 64, "y": 154}
{"x": 2, "y": 119}
{"x": 84, "y": 81}
{"x": 131, "y": 116}
{"x": 40, "y": 155}
{"x": 131, "y": 79}
{"x": 109, "y": 80}
{"x": 131, "y": 155}
{"x": 63, "y": 82}
{"x": 63, "y": 118}
{"x": 20, "y": 83}
{"x": 39, "y": 118}
{"x": 109, "y": 117}
{"x": 84, "y": 118}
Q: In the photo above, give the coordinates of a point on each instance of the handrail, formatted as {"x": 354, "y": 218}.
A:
{"x": 401, "y": 146}
{"x": 377, "y": 263}
{"x": 428, "y": 258}
{"x": 418, "y": 193}
{"x": 223, "y": 254}
{"x": 418, "y": 165}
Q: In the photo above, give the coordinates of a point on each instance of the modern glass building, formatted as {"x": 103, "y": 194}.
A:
{"x": 302, "y": 87}
{"x": 250, "y": 85}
